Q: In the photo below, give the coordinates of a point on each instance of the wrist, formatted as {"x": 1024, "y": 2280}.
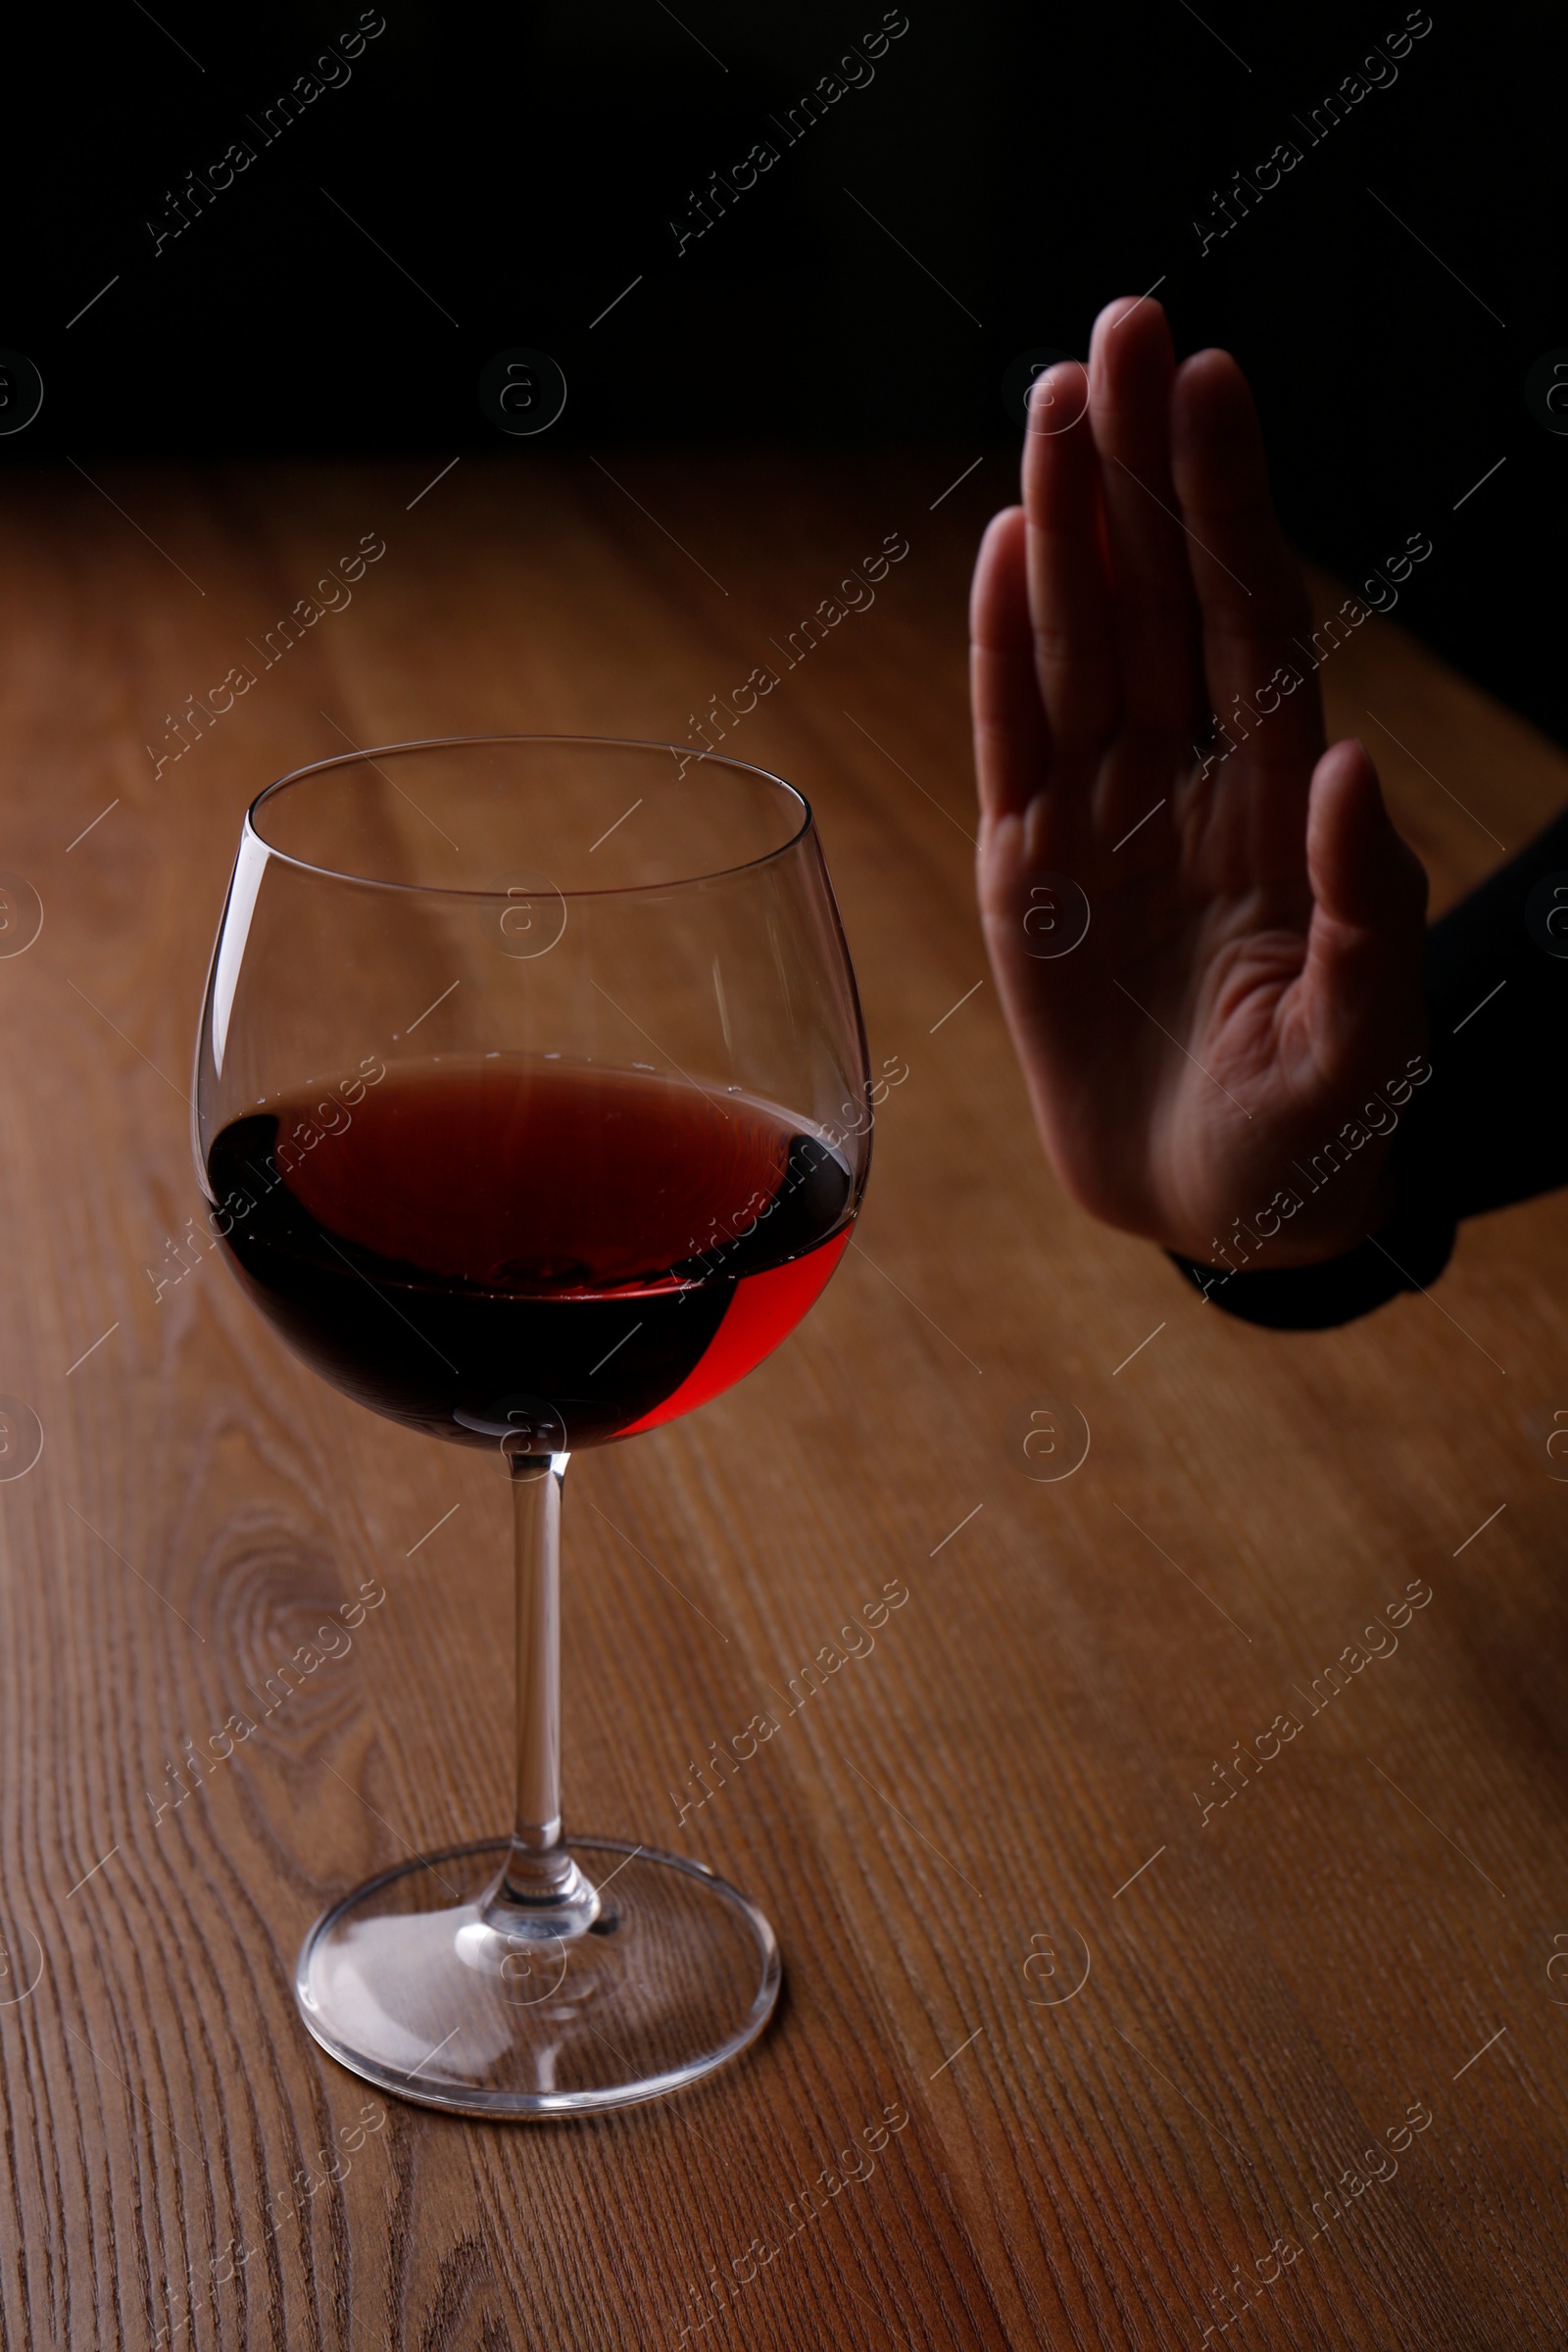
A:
{"x": 1401, "y": 1243}
{"x": 1320, "y": 1214}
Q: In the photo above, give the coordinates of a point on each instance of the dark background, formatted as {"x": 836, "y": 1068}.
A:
{"x": 523, "y": 167}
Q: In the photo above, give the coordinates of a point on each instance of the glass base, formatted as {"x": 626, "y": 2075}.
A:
{"x": 429, "y": 1984}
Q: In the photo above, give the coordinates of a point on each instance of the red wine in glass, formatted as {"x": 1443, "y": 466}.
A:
{"x": 617, "y": 1242}
{"x": 586, "y": 1173}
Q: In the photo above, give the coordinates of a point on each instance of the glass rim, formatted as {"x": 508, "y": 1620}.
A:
{"x": 439, "y": 742}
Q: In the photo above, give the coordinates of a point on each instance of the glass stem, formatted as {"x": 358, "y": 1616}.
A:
{"x": 540, "y": 1882}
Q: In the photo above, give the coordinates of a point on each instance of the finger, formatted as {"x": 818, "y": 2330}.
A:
{"x": 1011, "y": 739}
{"x": 1370, "y": 898}
{"x": 1132, "y": 366}
{"x": 1069, "y": 594}
{"x": 1255, "y": 616}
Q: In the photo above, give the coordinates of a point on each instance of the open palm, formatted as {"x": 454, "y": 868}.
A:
{"x": 1251, "y": 971}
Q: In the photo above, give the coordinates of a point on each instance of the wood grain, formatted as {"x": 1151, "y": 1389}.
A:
{"x": 1003, "y": 1786}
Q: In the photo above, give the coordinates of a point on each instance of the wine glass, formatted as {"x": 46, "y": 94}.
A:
{"x": 531, "y": 1106}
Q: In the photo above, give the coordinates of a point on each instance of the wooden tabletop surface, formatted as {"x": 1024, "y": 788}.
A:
{"x": 1131, "y": 2047}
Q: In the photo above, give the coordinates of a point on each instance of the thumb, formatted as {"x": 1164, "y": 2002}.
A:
{"x": 1364, "y": 875}
{"x": 1369, "y": 890}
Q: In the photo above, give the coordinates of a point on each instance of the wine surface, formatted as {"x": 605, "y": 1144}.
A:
{"x": 521, "y": 1241}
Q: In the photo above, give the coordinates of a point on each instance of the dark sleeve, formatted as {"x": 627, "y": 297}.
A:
{"x": 1491, "y": 1124}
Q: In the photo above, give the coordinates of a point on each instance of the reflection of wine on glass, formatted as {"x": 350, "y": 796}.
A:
{"x": 533, "y": 1165}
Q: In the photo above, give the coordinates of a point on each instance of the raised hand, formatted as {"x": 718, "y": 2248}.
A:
{"x": 1249, "y": 976}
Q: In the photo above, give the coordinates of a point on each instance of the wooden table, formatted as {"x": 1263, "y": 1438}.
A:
{"x": 1135, "y": 2046}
